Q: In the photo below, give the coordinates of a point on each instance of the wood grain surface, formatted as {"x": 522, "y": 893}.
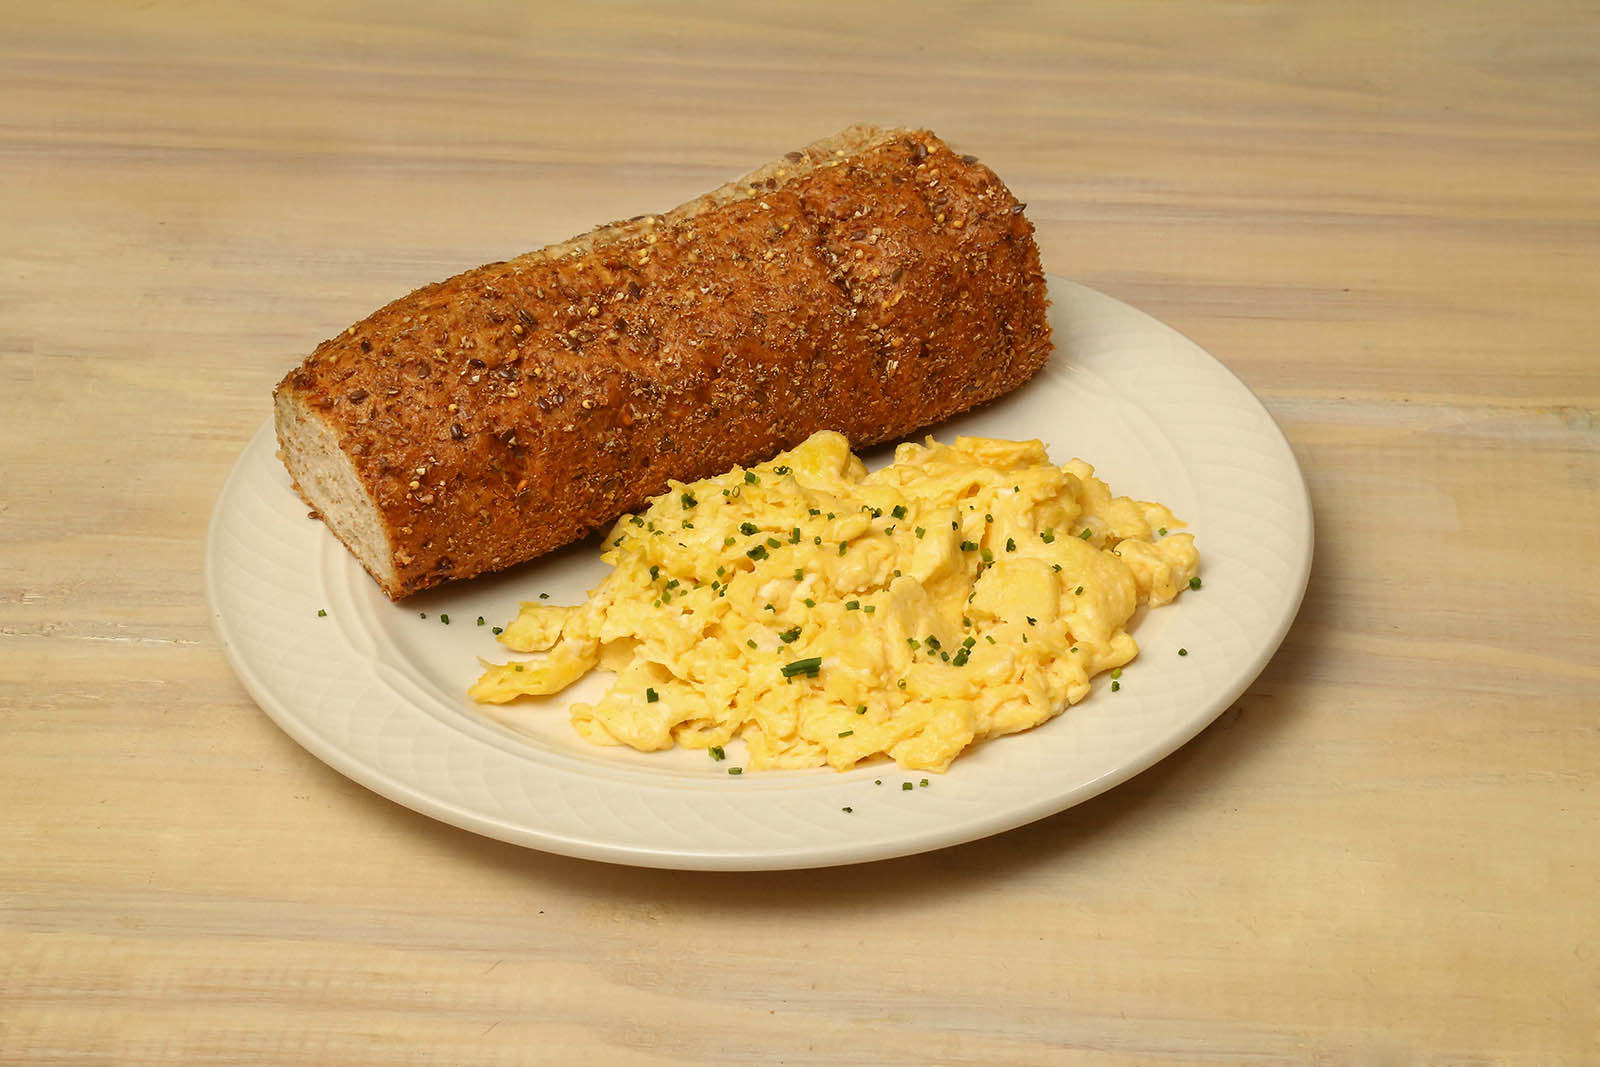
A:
{"x": 1385, "y": 217}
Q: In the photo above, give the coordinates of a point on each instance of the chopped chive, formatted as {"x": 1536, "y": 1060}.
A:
{"x": 497, "y": 631}
{"x": 844, "y": 546}
{"x": 811, "y": 665}
{"x": 1086, "y": 533}
{"x": 1056, "y": 567}
{"x": 816, "y": 540}
{"x": 687, "y": 500}
{"x": 919, "y": 532}
{"x": 1194, "y": 583}
{"x": 1183, "y": 651}
{"x": 751, "y": 643}
{"x": 813, "y": 511}
{"x": 794, "y": 536}
{"x": 1031, "y": 620}
{"x": 923, "y": 783}
{"x": 989, "y": 638}
{"x": 960, "y": 659}
{"x": 869, "y": 608}
{"x": 422, "y": 614}
{"x": 1115, "y": 686}
{"x": 519, "y": 667}
{"x": 1078, "y": 591}
{"x": 808, "y": 602}
{"x": 735, "y": 770}
{"x": 655, "y": 572}
{"x": 846, "y": 733}
{"x": 1011, "y": 544}
{"x": 780, "y": 471}
{"x": 898, "y": 511}
{"x": 651, "y": 696}
{"x": 750, "y": 478}
{"x": 636, "y": 520}
{"x": 988, "y": 518}
{"x": 445, "y": 619}
{"x": 1162, "y": 531}
{"x": 969, "y": 546}
{"x": 988, "y": 557}
{"x": 773, "y": 542}
{"x": 322, "y": 613}
{"x": 727, "y": 542}
{"x": 717, "y": 753}
{"x": 1116, "y": 672}
{"x": 1049, "y": 536}
{"x": 799, "y": 575}
{"x": 861, "y": 709}
{"x": 847, "y": 809}
{"x": 901, "y": 683}
{"x": 852, "y": 605}
{"x": 758, "y": 552}
{"x": 748, "y": 528}
{"x": 790, "y": 636}
{"x": 906, "y": 786}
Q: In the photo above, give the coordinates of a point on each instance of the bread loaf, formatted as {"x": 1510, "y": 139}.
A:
{"x": 872, "y": 283}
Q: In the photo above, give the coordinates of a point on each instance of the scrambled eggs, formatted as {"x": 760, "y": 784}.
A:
{"x": 828, "y": 615}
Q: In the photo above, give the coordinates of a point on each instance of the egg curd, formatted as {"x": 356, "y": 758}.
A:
{"x": 826, "y": 615}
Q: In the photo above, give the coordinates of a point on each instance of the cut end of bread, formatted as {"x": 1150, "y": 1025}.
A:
{"x": 326, "y": 479}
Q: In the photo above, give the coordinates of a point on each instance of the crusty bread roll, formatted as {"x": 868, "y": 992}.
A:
{"x": 872, "y": 283}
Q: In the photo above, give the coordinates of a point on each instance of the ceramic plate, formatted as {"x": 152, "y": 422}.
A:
{"x": 377, "y": 691}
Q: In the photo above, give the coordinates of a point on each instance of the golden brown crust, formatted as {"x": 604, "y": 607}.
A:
{"x": 873, "y": 284}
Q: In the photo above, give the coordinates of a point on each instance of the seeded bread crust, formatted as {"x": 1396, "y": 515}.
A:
{"x": 872, "y": 283}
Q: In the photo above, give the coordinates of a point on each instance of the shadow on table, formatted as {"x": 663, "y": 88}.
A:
{"x": 1233, "y": 741}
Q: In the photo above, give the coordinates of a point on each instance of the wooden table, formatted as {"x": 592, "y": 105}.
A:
{"x": 1383, "y": 216}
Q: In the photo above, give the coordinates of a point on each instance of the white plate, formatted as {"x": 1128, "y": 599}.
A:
{"x": 379, "y": 694}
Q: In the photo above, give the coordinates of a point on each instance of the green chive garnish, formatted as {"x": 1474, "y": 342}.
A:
{"x": 790, "y": 636}
{"x": 497, "y": 631}
{"x": 1049, "y": 536}
{"x": 846, "y": 733}
{"x": 811, "y": 666}
{"x": 1183, "y": 651}
{"x": 651, "y": 696}
{"x": 717, "y": 753}
{"x": 322, "y": 613}
{"x": 898, "y": 511}
{"x": 735, "y": 770}
{"x": 1085, "y": 534}
{"x": 758, "y": 552}
{"x": 1194, "y": 583}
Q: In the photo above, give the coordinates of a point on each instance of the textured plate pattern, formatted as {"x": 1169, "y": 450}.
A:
{"x": 378, "y": 693}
